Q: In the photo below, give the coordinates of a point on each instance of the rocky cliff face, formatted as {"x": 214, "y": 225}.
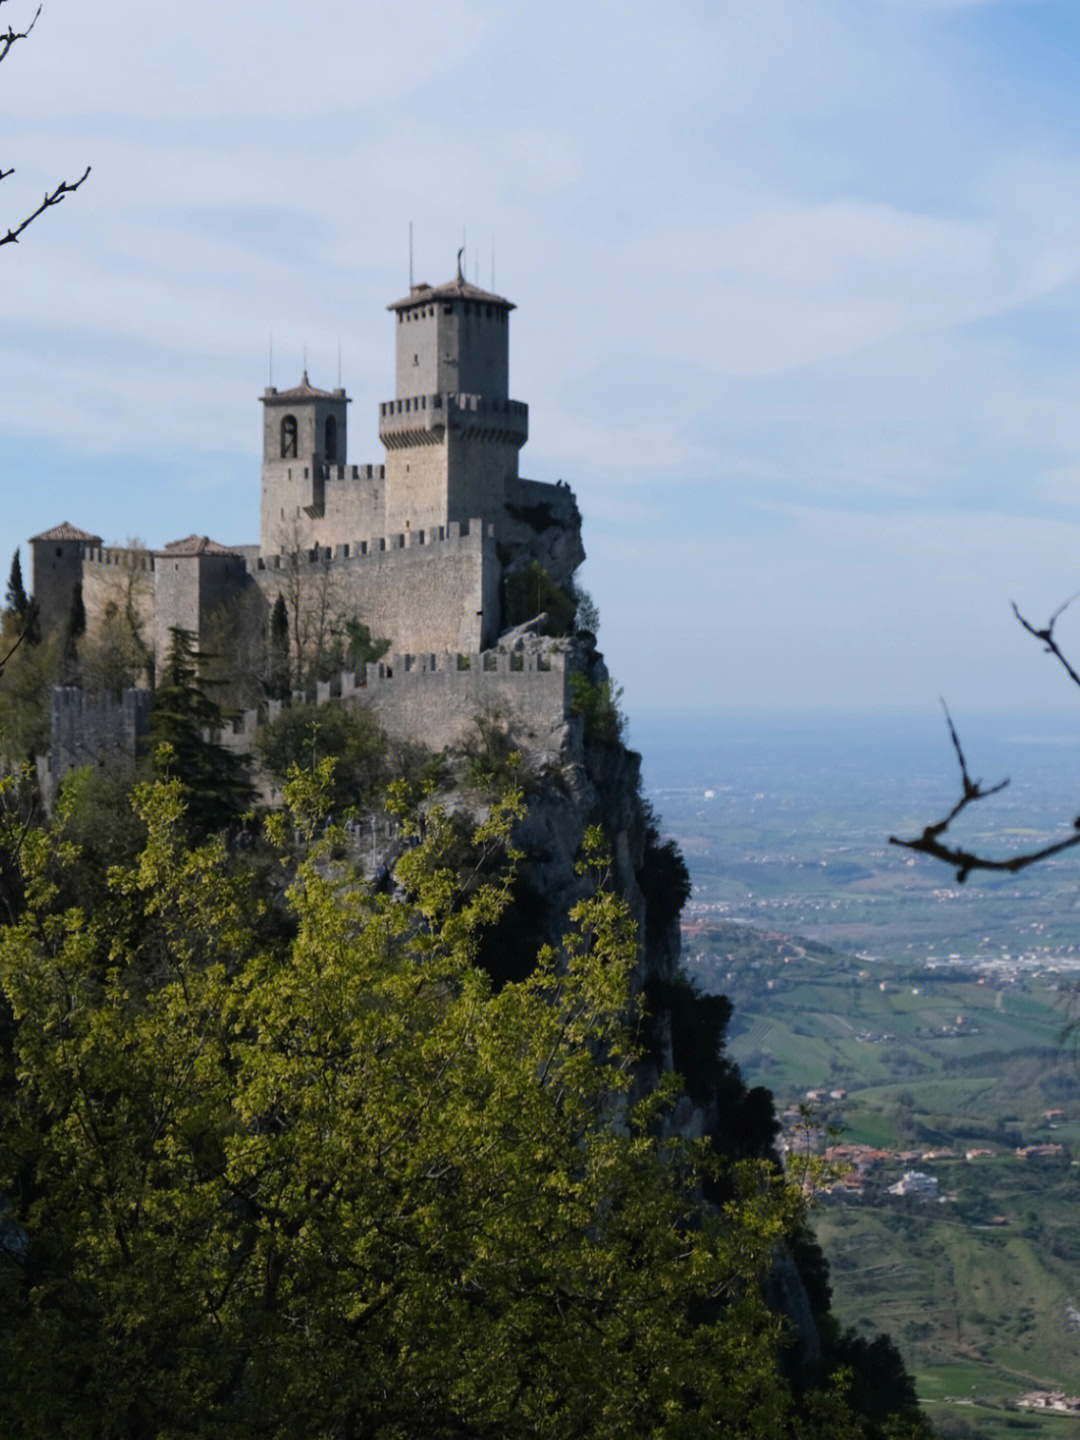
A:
{"x": 583, "y": 775}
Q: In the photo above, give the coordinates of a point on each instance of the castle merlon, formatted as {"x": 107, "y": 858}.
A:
{"x": 411, "y": 419}
{"x": 453, "y": 534}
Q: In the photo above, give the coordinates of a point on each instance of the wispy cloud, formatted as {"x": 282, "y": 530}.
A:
{"x": 794, "y": 278}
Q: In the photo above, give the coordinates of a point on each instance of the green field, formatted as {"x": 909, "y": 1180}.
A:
{"x": 980, "y": 1290}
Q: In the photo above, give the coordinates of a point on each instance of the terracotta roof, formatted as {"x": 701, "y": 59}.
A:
{"x": 195, "y": 545}
{"x": 66, "y": 531}
{"x": 304, "y": 391}
{"x": 458, "y": 289}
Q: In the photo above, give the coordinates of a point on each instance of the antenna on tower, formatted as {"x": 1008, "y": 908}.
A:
{"x": 305, "y": 364}
{"x": 270, "y": 382}
{"x": 410, "y": 256}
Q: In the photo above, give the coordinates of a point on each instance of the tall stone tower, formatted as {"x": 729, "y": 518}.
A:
{"x": 304, "y": 431}
{"x": 452, "y": 433}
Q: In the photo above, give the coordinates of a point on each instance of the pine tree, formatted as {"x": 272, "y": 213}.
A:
{"x": 215, "y": 789}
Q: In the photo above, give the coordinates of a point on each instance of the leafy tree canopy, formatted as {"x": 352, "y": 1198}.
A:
{"x": 303, "y": 735}
{"x": 315, "y": 1178}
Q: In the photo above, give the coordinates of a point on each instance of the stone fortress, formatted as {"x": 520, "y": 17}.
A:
{"x": 419, "y": 548}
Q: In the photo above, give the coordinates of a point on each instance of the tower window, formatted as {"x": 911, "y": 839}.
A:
{"x": 416, "y": 359}
{"x": 288, "y": 438}
{"x": 331, "y": 438}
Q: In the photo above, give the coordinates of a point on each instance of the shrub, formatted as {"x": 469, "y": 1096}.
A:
{"x": 597, "y": 702}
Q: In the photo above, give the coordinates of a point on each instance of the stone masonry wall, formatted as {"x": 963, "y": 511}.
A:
{"x": 117, "y": 575}
{"x": 424, "y": 592}
{"x": 435, "y": 700}
{"x": 432, "y": 699}
{"x": 353, "y": 505}
{"x": 91, "y": 730}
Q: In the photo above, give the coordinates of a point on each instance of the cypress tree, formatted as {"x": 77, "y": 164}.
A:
{"x": 279, "y": 683}
{"x": 15, "y": 599}
{"x": 20, "y": 606}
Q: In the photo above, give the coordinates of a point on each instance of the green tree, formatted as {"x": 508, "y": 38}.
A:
{"x": 361, "y": 647}
{"x": 183, "y": 723}
{"x": 279, "y": 685}
{"x": 598, "y": 704}
{"x": 319, "y": 1180}
{"x": 303, "y": 735}
{"x": 29, "y": 672}
{"x": 15, "y": 597}
{"x": 21, "y": 610}
{"x": 529, "y": 592}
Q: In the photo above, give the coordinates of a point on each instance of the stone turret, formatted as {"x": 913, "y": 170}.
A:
{"x": 56, "y": 567}
{"x": 452, "y": 433}
{"x": 304, "y": 433}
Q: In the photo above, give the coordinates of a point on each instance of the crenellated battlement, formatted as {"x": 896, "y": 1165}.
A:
{"x": 121, "y": 557}
{"x": 333, "y": 472}
{"x": 451, "y": 537}
{"x": 435, "y": 698}
{"x": 419, "y": 419}
{"x": 91, "y": 729}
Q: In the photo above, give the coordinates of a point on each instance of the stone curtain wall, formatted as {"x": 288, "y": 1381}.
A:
{"x": 432, "y": 699}
{"x": 121, "y": 577}
{"x": 424, "y": 592}
{"x": 435, "y": 700}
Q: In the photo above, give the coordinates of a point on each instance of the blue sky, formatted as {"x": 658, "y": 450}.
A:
{"x": 798, "y": 289}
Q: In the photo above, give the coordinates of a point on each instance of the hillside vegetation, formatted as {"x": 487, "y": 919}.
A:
{"x": 978, "y": 1287}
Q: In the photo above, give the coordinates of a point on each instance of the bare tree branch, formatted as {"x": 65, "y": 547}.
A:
{"x": 931, "y": 841}
{"x": 66, "y": 187}
{"x": 28, "y": 624}
{"x": 1047, "y": 636}
{"x": 52, "y": 197}
{"x": 8, "y": 40}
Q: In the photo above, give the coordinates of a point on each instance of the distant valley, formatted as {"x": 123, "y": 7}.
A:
{"x": 932, "y": 1025}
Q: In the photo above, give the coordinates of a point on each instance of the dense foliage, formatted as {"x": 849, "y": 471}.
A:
{"x": 183, "y": 721}
{"x": 304, "y": 735}
{"x": 278, "y": 1161}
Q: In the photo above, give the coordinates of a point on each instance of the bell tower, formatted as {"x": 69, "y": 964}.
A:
{"x": 304, "y": 432}
{"x": 452, "y": 433}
